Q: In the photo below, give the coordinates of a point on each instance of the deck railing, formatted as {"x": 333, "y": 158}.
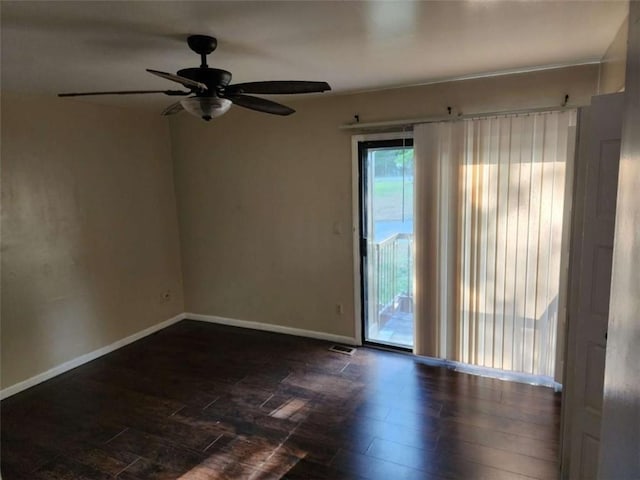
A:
{"x": 392, "y": 277}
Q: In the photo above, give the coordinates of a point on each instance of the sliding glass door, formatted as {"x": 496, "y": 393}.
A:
{"x": 386, "y": 246}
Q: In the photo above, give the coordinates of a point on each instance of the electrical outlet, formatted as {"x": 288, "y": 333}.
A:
{"x": 339, "y": 309}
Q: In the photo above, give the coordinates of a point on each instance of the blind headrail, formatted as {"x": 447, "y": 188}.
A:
{"x": 409, "y": 123}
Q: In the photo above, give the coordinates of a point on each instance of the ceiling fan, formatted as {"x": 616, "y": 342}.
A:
{"x": 210, "y": 94}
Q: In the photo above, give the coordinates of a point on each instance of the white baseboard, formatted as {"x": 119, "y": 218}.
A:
{"x": 270, "y": 327}
{"x": 496, "y": 373}
{"x": 87, "y": 357}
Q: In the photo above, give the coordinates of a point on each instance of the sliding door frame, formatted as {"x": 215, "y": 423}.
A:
{"x": 358, "y": 229}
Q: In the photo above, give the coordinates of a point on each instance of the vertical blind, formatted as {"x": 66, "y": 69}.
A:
{"x": 489, "y": 234}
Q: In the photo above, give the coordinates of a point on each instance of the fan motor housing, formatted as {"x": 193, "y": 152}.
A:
{"x": 202, "y": 44}
{"x": 211, "y": 77}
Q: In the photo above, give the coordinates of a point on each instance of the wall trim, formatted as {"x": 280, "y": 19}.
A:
{"x": 498, "y": 374}
{"x": 87, "y": 357}
{"x": 270, "y": 327}
{"x": 267, "y": 327}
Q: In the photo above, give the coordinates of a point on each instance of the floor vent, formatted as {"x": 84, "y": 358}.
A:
{"x": 342, "y": 349}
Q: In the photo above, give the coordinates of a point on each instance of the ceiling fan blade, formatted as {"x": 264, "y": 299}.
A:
{"x": 260, "y": 104}
{"x": 173, "y": 109}
{"x": 279, "y": 87}
{"x": 126, "y": 92}
{"x": 187, "y": 82}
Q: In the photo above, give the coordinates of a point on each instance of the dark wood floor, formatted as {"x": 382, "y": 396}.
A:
{"x": 200, "y": 401}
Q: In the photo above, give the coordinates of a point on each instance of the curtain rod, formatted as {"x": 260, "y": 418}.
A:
{"x": 445, "y": 118}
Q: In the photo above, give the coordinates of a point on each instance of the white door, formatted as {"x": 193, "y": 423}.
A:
{"x": 592, "y": 248}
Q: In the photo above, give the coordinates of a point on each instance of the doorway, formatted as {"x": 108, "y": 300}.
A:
{"x": 386, "y": 201}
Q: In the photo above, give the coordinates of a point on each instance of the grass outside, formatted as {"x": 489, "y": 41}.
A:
{"x": 388, "y": 198}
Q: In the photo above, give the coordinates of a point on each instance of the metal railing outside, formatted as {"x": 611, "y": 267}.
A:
{"x": 392, "y": 277}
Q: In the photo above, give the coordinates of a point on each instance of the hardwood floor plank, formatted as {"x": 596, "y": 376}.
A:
{"x": 63, "y": 468}
{"x": 416, "y": 458}
{"x": 517, "y": 463}
{"x": 182, "y": 389}
{"x": 144, "y": 469}
{"x": 24, "y": 456}
{"x": 55, "y": 431}
{"x": 155, "y": 449}
{"x": 458, "y": 432}
{"x": 17, "y": 472}
{"x": 502, "y": 424}
{"x": 377, "y": 469}
{"x": 305, "y": 469}
{"x": 317, "y": 450}
{"x": 276, "y": 465}
{"x": 110, "y": 463}
{"x": 476, "y": 406}
{"x": 373, "y": 410}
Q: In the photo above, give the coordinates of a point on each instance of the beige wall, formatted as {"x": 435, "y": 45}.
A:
{"x": 612, "y": 66}
{"x": 89, "y": 230}
{"x": 620, "y": 443}
{"x": 260, "y": 197}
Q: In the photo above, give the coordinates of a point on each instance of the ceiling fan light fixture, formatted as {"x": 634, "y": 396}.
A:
{"x": 206, "y": 107}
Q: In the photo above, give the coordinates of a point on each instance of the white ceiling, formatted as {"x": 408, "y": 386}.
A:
{"x": 50, "y": 47}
